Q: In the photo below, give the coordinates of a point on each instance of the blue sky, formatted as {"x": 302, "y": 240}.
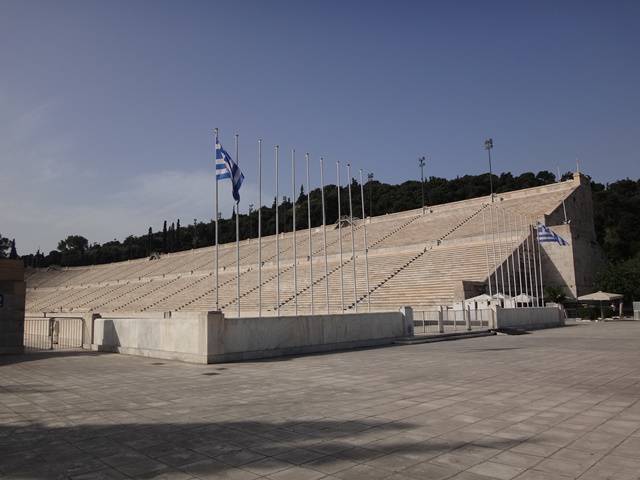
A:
{"x": 107, "y": 108}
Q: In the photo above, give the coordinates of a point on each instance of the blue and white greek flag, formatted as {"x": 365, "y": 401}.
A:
{"x": 227, "y": 168}
{"x": 545, "y": 234}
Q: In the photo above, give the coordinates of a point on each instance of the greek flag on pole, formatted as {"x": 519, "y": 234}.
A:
{"x": 227, "y": 168}
{"x": 545, "y": 234}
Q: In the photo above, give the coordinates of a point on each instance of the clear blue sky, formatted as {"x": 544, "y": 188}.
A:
{"x": 107, "y": 108}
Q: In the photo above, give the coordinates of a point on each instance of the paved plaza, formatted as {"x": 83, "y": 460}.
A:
{"x": 555, "y": 404}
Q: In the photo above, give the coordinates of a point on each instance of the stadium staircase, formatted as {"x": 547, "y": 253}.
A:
{"x": 285, "y": 270}
{"x": 413, "y": 259}
{"x": 348, "y": 261}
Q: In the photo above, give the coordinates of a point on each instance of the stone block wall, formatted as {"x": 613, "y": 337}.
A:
{"x": 574, "y": 267}
{"x": 12, "y": 298}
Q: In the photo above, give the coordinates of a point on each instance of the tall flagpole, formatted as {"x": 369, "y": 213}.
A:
{"x": 508, "y": 249}
{"x": 512, "y": 254}
{"x": 500, "y": 252}
{"x": 486, "y": 251}
{"x": 340, "y": 236}
{"x": 366, "y": 246}
{"x": 525, "y": 288}
{"x": 237, "y": 234}
{"x": 540, "y": 266}
{"x": 493, "y": 246}
{"x": 324, "y": 235}
{"x": 216, "y": 224}
{"x": 260, "y": 227}
{"x": 514, "y": 217}
{"x": 503, "y": 244}
{"x": 535, "y": 263}
{"x": 309, "y": 229}
{"x": 353, "y": 243}
{"x": 293, "y": 203}
{"x": 277, "y": 148}
{"x": 531, "y": 293}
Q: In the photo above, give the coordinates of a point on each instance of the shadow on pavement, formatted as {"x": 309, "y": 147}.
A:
{"x": 32, "y": 356}
{"x": 230, "y": 448}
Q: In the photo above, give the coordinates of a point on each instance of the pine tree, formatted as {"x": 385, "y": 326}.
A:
{"x": 178, "y": 241}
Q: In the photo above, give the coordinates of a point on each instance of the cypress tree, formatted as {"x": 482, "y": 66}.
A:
{"x": 164, "y": 237}
{"x": 13, "y": 254}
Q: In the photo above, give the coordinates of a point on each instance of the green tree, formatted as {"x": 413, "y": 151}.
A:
{"x": 554, "y": 294}
{"x": 149, "y": 241}
{"x": 5, "y": 245}
{"x": 73, "y": 244}
{"x": 622, "y": 277}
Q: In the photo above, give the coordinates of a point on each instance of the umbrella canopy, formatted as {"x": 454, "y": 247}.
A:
{"x": 480, "y": 298}
{"x": 600, "y": 296}
{"x": 524, "y": 298}
{"x": 500, "y": 296}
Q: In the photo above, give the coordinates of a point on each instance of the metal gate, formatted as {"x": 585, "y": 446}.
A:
{"x": 450, "y": 320}
{"x": 56, "y": 333}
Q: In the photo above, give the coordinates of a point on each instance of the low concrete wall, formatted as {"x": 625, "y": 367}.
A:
{"x": 528, "y": 318}
{"x": 211, "y": 338}
{"x": 182, "y": 337}
{"x": 250, "y": 338}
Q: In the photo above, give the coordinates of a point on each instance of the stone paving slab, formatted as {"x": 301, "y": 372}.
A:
{"x": 555, "y": 404}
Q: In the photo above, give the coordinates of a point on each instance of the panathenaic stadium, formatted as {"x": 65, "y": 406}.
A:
{"x": 475, "y": 266}
{"x": 422, "y": 260}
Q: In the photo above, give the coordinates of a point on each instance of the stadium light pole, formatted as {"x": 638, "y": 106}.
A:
{"x": 422, "y": 161}
{"x": 488, "y": 145}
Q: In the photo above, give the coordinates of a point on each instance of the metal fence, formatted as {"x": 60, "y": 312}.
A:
{"x": 58, "y": 333}
{"x": 450, "y": 320}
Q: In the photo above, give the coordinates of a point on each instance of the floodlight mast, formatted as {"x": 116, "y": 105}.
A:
{"x": 488, "y": 145}
{"x": 369, "y": 180}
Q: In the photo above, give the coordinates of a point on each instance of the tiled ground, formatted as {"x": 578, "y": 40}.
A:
{"x": 555, "y": 404}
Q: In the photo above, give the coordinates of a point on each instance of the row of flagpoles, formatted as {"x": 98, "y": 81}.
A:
{"x": 525, "y": 282}
{"x": 504, "y": 223}
{"x": 226, "y": 167}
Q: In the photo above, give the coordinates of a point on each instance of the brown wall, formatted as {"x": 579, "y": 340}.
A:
{"x": 12, "y": 289}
